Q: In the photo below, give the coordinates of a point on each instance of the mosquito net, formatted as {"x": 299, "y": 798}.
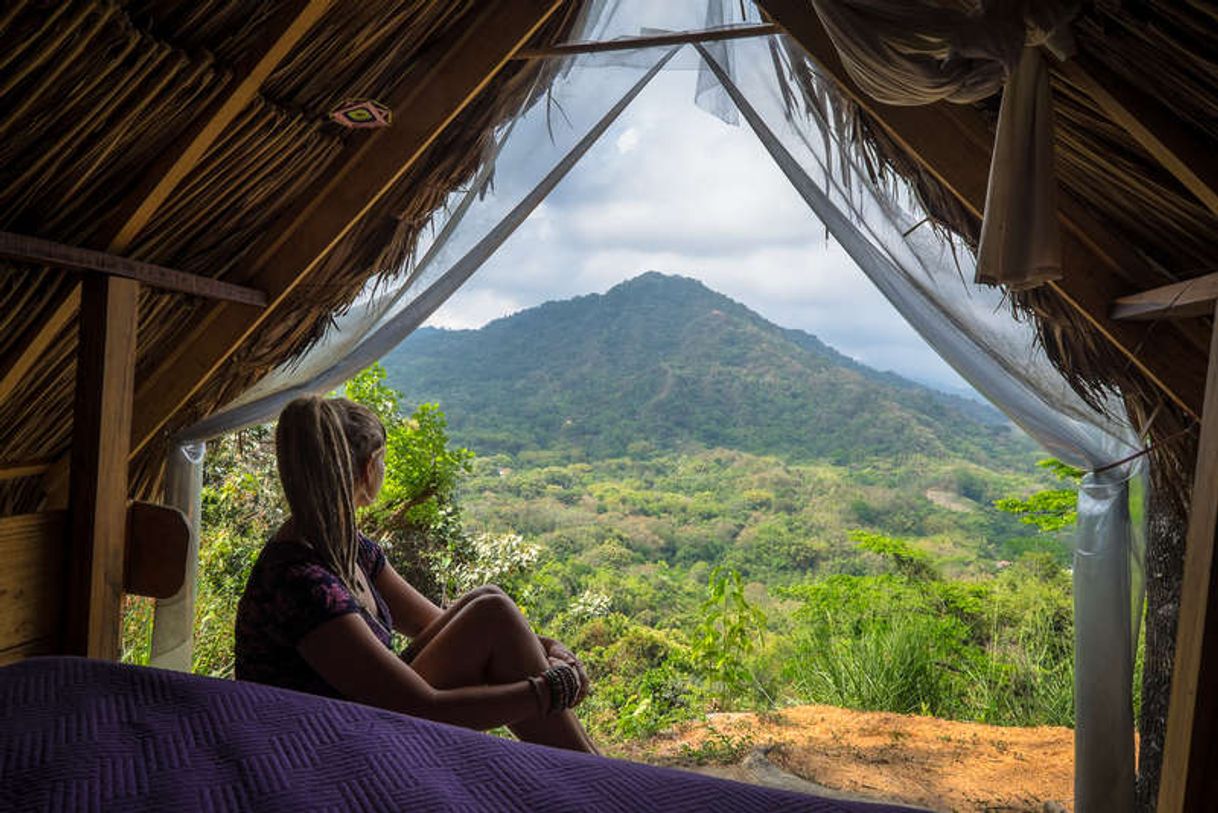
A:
{"x": 928, "y": 279}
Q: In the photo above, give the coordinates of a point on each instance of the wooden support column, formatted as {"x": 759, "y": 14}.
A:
{"x": 1189, "y": 780}
{"x": 97, "y": 524}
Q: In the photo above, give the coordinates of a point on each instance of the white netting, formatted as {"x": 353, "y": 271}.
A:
{"x": 919, "y": 272}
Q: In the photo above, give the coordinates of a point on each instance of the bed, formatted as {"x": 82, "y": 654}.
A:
{"x": 79, "y": 734}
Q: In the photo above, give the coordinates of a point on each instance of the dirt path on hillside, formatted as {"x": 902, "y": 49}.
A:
{"x": 936, "y": 764}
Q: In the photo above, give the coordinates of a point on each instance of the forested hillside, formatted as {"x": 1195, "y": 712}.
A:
{"x": 662, "y": 362}
{"x": 715, "y": 512}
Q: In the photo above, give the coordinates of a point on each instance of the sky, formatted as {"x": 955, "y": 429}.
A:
{"x": 671, "y": 188}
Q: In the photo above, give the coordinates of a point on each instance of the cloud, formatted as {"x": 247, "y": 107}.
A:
{"x": 670, "y": 188}
{"x": 627, "y": 141}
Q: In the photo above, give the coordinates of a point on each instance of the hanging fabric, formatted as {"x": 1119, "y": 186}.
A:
{"x": 922, "y": 52}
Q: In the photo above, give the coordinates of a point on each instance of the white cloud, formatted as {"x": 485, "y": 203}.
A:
{"x": 474, "y": 307}
{"x": 672, "y": 189}
{"x": 627, "y": 141}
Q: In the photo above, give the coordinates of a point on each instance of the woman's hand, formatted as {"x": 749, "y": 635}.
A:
{"x": 557, "y": 653}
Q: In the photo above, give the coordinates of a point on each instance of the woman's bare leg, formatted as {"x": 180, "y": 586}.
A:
{"x": 427, "y": 633}
{"x": 486, "y": 641}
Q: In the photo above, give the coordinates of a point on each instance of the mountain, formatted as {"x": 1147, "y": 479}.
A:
{"x": 663, "y": 361}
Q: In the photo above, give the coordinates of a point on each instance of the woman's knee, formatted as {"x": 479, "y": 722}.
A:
{"x": 487, "y": 590}
{"x": 497, "y": 607}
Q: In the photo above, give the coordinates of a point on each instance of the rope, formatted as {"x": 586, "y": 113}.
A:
{"x": 1169, "y": 439}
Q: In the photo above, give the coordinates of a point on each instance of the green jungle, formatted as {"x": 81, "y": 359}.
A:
{"x": 714, "y": 512}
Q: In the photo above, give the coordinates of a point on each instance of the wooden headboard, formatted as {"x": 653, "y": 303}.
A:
{"x": 31, "y": 584}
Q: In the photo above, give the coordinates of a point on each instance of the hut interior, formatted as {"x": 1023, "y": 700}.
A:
{"x": 188, "y": 192}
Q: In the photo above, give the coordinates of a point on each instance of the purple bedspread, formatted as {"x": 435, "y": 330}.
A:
{"x": 83, "y": 735}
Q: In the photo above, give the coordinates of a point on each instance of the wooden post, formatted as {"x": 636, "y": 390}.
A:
{"x": 1189, "y": 781}
{"x": 97, "y": 524}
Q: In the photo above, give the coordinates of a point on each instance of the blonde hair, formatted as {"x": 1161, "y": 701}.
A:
{"x": 320, "y": 445}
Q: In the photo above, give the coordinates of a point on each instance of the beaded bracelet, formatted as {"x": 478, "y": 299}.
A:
{"x": 564, "y": 687}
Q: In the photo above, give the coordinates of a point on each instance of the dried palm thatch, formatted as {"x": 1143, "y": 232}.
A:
{"x": 93, "y": 91}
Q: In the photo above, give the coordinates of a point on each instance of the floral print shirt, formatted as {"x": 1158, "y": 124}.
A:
{"x": 289, "y": 594}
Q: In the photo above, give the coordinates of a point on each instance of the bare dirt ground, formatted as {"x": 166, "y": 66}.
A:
{"x": 874, "y": 756}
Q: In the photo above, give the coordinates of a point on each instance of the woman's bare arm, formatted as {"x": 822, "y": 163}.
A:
{"x": 411, "y": 610}
{"x": 351, "y": 659}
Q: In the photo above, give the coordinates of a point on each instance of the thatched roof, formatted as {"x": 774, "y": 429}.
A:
{"x": 1165, "y": 52}
{"x": 93, "y": 93}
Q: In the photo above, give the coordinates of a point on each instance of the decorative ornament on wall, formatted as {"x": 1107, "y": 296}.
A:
{"x": 361, "y": 114}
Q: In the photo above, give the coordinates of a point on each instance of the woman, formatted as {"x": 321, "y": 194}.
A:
{"x": 321, "y": 600}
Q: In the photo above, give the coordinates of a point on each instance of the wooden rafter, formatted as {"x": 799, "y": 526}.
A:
{"x": 46, "y": 252}
{"x": 366, "y": 172}
{"x": 1162, "y": 134}
{"x": 1192, "y": 297}
{"x": 954, "y": 144}
{"x": 134, "y": 213}
{"x": 1187, "y": 781}
{"x": 28, "y": 468}
{"x": 39, "y": 343}
{"x": 658, "y": 40}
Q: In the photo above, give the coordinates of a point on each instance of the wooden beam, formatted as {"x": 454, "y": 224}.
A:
{"x": 105, "y": 380}
{"x": 131, "y": 215}
{"x": 1192, "y": 297}
{"x": 1190, "y": 750}
{"x": 29, "y": 468}
{"x": 39, "y": 343}
{"x": 46, "y": 252}
{"x": 953, "y": 144}
{"x": 632, "y": 43}
{"x": 1167, "y": 138}
{"x": 27, "y": 649}
{"x": 365, "y": 172}
{"x": 31, "y": 584}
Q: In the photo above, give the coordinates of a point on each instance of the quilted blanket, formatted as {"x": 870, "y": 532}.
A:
{"x": 85, "y": 735}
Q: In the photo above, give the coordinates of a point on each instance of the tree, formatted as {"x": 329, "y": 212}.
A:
{"x": 417, "y": 517}
{"x": 729, "y": 632}
{"x": 1051, "y": 509}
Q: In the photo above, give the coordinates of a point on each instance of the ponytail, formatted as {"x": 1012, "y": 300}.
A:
{"x": 315, "y": 467}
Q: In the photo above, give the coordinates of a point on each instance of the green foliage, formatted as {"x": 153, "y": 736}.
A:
{"x": 997, "y": 651}
{"x": 417, "y": 515}
{"x": 729, "y": 632}
{"x": 718, "y": 748}
{"x": 1050, "y": 509}
{"x": 911, "y": 563}
{"x": 644, "y": 680}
